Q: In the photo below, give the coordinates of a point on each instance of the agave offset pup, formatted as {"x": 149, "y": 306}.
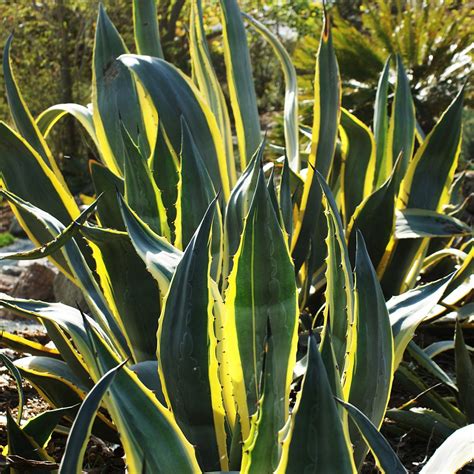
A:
{"x": 195, "y": 269}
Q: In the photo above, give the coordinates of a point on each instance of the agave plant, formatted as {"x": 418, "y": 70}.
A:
{"x": 235, "y": 317}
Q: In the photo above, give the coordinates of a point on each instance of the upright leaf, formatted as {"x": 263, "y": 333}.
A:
{"x": 373, "y": 365}
{"x": 238, "y": 208}
{"x": 426, "y": 186}
{"x": 326, "y": 113}
{"x": 382, "y": 166}
{"x": 146, "y": 29}
{"x": 339, "y": 309}
{"x": 375, "y": 218}
{"x": 195, "y": 193}
{"x": 107, "y": 184}
{"x": 240, "y": 81}
{"x": 261, "y": 450}
{"x": 358, "y": 165}
{"x": 316, "y": 441}
{"x": 401, "y": 132}
{"x": 186, "y": 351}
{"x": 141, "y": 192}
{"x": 164, "y": 168}
{"x": 208, "y": 83}
{"x": 114, "y": 95}
{"x": 284, "y": 198}
{"x": 261, "y": 291}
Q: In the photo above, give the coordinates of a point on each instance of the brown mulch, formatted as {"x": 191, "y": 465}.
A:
{"x": 6, "y": 216}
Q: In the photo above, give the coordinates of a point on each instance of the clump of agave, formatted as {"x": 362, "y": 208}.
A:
{"x": 237, "y": 316}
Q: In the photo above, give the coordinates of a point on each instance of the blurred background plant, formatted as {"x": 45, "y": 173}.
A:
{"x": 54, "y": 39}
{"x": 434, "y": 39}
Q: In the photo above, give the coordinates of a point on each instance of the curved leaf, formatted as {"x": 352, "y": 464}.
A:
{"x": 408, "y": 310}
{"x": 159, "y": 256}
{"x": 453, "y": 454}
{"x": 23, "y": 345}
{"x": 79, "y": 269}
{"x": 53, "y": 245}
{"x": 49, "y": 117}
{"x": 135, "y": 411}
{"x": 135, "y": 306}
{"x": 384, "y": 455}
{"x": 418, "y": 223}
{"x": 22, "y": 445}
{"x": 25, "y": 174}
{"x": 464, "y": 374}
{"x": 41, "y": 427}
{"x": 290, "y": 109}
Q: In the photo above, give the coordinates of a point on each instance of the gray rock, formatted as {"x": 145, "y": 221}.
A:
{"x": 7, "y": 283}
{"x": 12, "y": 270}
{"x": 36, "y": 282}
{"x": 15, "y": 228}
{"x": 65, "y": 291}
